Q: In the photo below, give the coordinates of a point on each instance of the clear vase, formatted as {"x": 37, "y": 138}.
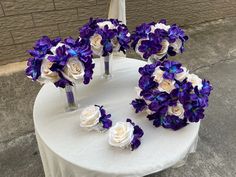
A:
{"x": 71, "y": 100}
{"x": 107, "y": 66}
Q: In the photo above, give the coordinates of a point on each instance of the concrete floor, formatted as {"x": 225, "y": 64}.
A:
{"x": 210, "y": 52}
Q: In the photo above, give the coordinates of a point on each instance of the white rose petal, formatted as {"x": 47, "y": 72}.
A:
{"x": 148, "y": 111}
{"x": 96, "y": 45}
{"x": 121, "y": 134}
{"x": 166, "y": 85}
{"x": 108, "y": 23}
{"x": 158, "y": 75}
{"x": 162, "y": 26}
{"x": 152, "y": 29}
{"x": 176, "y": 45}
{"x": 46, "y": 73}
{"x": 177, "y": 110}
{"x": 195, "y": 80}
{"x": 181, "y": 76}
{"x": 74, "y": 69}
{"x": 138, "y": 90}
{"x": 89, "y": 117}
{"x": 163, "y": 51}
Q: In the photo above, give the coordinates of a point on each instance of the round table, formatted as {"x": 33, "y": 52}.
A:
{"x": 67, "y": 150}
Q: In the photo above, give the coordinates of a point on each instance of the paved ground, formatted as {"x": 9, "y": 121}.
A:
{"x": 211, "y": 53}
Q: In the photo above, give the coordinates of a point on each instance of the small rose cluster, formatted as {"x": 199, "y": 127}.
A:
{"x": 125, "y": 135}
{"x": 106, "y": 36}
{"x": 94, "y": 117}
{"x": 158, "y": 40}
{"x": 171, "y": 96}
{"x": 60, "y": 62}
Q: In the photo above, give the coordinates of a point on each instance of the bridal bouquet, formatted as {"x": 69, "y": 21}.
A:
{"x": 106, "y": 36}
{"x": 158, "y": 40}
{"x": 171, "y": 96}
{"x": 60, "y": 62}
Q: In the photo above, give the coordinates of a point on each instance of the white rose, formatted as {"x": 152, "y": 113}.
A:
{"x": 195, "y": 80}
{"x": 158, "y": 75}
{"x": 163, "y": 51}
{"x": 176, "y": 45}
{"x": 152, "y": 28}
{"x": 46, "y": 73}
{"x": 108, "y": 23}
{"x": 177, "y": 110}
{"x": 74, "y": 68}
{"x": 89, "y": 117}
{"x": 148, "y": 111}
{"x": 166, "y": 85}
{"x": 96, "y": 45}
{"x": 181, "y": 76}
{"x": 162, "y": 26}
{"x": 121, "y": 134}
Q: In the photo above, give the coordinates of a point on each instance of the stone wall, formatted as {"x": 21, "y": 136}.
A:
{"x": 23, "y": 21}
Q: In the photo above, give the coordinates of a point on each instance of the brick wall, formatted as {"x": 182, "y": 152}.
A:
{"x": 24, "y": 21}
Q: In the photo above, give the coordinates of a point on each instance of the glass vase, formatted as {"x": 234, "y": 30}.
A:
{"x": 70, "y": 96}
{"x": 107, "y": 66}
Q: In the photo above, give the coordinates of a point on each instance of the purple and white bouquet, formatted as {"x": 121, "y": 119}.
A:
{"x": 60, "y": 62}
{"x": 158, "y": 40}
{"x": 171, "y": 96}
{"x": 94, "y": 117}
{"x": 125, "y": 135}
{"x": 106, "y": 36}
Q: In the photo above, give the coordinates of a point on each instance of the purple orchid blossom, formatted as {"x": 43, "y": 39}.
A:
{"x": 138, "y": 133}
{"x": 105, "y": 118}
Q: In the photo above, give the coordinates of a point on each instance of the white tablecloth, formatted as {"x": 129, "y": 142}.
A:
{"x": 69, "y": 151}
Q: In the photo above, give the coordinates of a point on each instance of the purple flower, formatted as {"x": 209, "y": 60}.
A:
{"x": 34, "y": 68}
{"x": 158, "y": 115}
{"x": 146, "y": 83}
{"x": 139, "y": 105}
{"x": 148, "y": 69}
{"x": 173, "y": 122}
{"x": 123, "y": 37}
{"x": 149, "y": 48}
{"x": 141, "y": 32}
{"x": 193, "y": 113}
{"x": 60, "y": 59}
{"x": 183, "y": 90}
{"x": 157, "y": 96}
{"x": 105, "y": 118}
{"x": 171, "y": 68}
{"x": 41, "y": 48}
{"x": 206, "y": 88}
{"x": 138, "y": 133}
{"x": 175, "y": 33}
